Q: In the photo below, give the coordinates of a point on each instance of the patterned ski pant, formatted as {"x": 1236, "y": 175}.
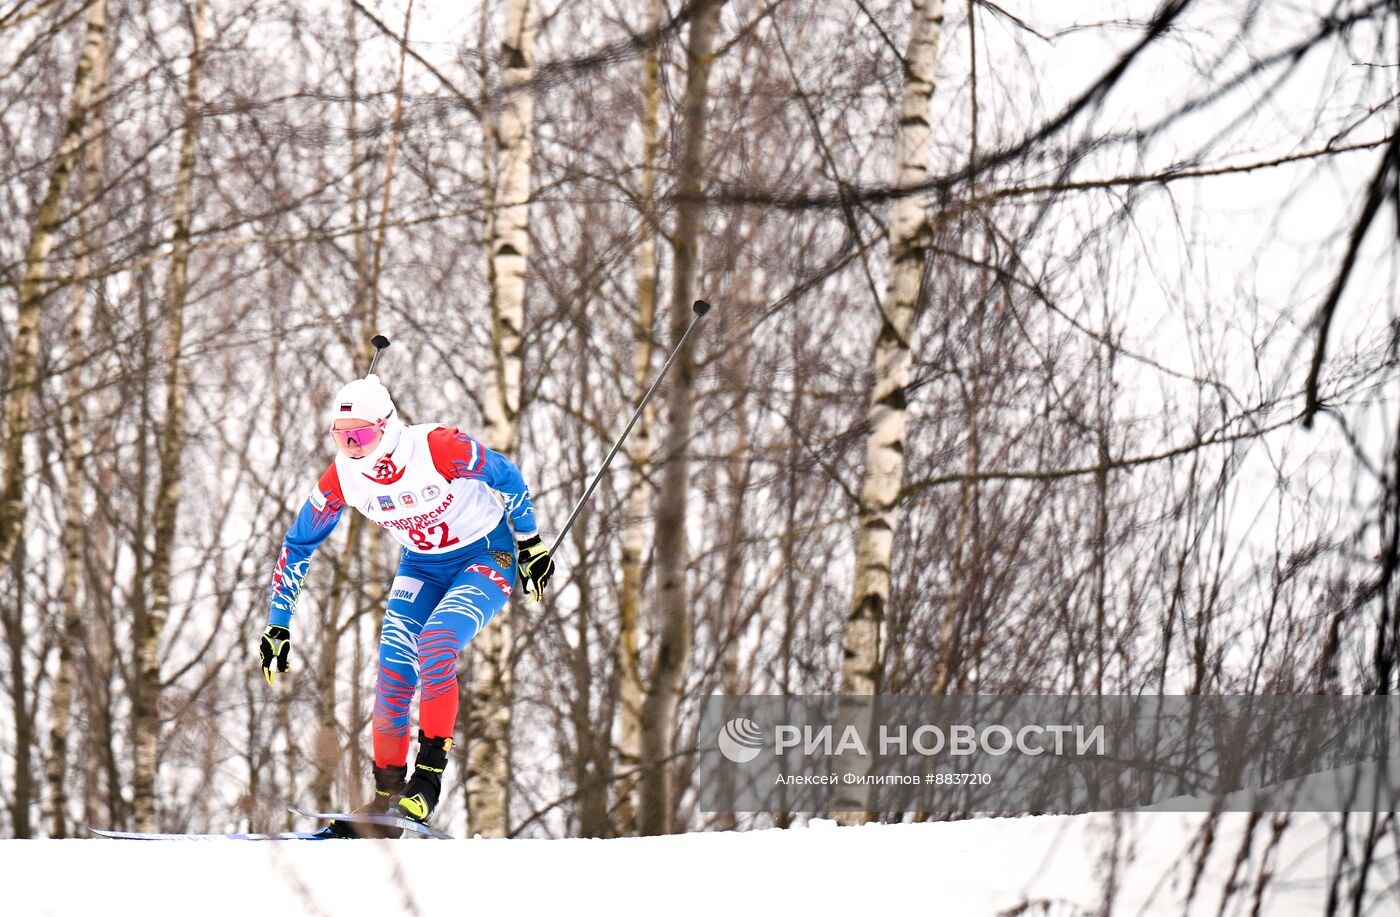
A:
{"x": 436, "y": 605}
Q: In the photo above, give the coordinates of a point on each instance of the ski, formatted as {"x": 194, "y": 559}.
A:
{"x": 144, "y": 836}
{"x": 392, "y": 821}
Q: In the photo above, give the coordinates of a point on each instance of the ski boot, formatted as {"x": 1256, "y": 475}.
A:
{"x": 420, "y": 795}
{"x": 388, "y": 784}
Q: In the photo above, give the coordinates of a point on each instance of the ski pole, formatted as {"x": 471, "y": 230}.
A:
{"x": 700, "y": 307}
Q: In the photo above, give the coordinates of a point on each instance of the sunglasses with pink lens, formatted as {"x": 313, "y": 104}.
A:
{"x": 356, "y": 436}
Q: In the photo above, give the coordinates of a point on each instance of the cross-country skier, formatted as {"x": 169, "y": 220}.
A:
{"x": 462, "y": 513}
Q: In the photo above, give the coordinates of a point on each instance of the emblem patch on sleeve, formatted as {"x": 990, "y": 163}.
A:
{"x": 503, "y": 559}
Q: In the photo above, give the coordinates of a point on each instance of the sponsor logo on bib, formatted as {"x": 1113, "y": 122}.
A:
{"x": 407, "y": 500}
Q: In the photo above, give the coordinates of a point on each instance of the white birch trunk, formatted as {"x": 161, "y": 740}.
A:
{"x": 31, "y": 291}
{"x": 74, "y": 520}
{"x": 488, "y": 776}
{"x": 910, "y": 234}
{"x": 510, "y": 229}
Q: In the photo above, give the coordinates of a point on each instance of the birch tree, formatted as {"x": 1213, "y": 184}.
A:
{"x": 32, "y": 290}
{"x": 910, "y": 233}
{"x": 74, "y": 455}
{"x": 508, "y": 242}
{"x": 22, "y": 385}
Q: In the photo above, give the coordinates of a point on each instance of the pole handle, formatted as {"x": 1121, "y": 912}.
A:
{"x": 380, "y": 342}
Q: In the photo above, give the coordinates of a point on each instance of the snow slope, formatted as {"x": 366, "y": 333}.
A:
{"x": 984, "y": 866}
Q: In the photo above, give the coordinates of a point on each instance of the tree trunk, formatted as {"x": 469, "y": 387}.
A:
{"x": 21, "y": 792}
{"x": 328, "y": 756}
{"x": 326, "y": 753}
{"x": 910, "y": 234}
{"x": 739, "y": 474}
{"x": 629, "y": 665}
{"x": 949, "y": 651}
{"x": 508, "y": 238}
{"x": 74, "y": 438}
{"x": 588, "y": 765}
{"x": 1101, "y": 504}
{"x": 390, "y": 157}
{"x": 149, "y": 626}
{"x": 657, "y": 790}
{"x": 31, "y": 290}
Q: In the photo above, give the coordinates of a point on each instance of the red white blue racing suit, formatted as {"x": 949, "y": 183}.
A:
{"x": 457, "y": 508}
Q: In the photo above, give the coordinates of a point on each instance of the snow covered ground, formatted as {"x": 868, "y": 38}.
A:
{"x": 1048, "y": 865}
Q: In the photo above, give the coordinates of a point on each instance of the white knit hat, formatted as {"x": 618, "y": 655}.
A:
{"x": 362, "y": 399}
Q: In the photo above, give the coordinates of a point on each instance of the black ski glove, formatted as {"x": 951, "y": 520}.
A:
{"x": 535, "y": 567}
{"x": 276, "y": 646}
